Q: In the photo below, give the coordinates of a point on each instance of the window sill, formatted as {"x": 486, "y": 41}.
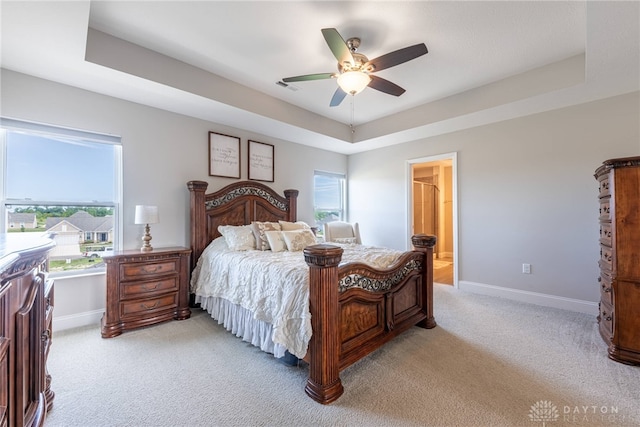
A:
{"x": 74, "y": 275}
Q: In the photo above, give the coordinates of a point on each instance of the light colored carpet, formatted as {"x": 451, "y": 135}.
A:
{"x": 489, "y": 362}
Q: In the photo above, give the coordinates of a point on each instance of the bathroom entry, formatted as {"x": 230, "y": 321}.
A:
{"x": 432, "y": 197}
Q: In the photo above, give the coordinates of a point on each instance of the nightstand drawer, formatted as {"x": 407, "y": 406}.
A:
{"x": 148, "y": 289}
{"x": 140, "y": 270}
{"x": 146, "y": 306}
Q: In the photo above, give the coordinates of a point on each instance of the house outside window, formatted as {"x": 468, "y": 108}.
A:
{"x": 64, "y": 183}
{"x": 329, "y": 198}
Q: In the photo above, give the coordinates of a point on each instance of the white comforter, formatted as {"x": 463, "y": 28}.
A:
{"x": 273, "y": 286}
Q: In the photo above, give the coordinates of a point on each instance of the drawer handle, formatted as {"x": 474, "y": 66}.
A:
{"x": 151, "y": 269}
{"x": 46, "y": 335}
{"x": 146, "y": 307}
{"x": 151, "y": 288}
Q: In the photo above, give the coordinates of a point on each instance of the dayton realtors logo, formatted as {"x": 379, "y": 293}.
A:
{"x": 545, "y": 411}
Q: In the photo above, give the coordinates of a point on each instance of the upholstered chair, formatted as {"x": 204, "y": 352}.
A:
{"x": 342, "y": 232}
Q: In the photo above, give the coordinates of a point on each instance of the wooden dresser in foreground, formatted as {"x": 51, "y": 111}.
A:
{"x": 26, "y": 314}
{"x": 145, "y": 288}
{"x": 619, "y": 317}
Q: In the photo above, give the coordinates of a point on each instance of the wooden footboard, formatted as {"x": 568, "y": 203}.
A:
{"x": 367, "y": 308}
{"x": 354, "y": 309}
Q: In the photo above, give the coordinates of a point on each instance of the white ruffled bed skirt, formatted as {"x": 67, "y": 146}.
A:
{"x": 240, "y": 322}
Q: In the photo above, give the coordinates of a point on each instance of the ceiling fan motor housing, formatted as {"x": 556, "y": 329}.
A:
{"x": 358, "y": 61}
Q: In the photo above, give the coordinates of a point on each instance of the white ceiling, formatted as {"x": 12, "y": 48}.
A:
{"x": 220, "y": 61}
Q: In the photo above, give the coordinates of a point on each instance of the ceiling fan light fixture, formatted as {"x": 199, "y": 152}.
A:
{"x": 353, "y": 82}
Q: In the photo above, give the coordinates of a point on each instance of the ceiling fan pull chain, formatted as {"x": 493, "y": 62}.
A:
{"x": 353, "y": 129}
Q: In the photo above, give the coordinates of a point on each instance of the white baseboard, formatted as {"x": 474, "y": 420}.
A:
{"x": 77, "y": 320}
{"x": 545, "y": 300}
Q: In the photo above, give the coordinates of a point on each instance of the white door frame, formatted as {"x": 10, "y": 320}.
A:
{"x": 454, "y": 182}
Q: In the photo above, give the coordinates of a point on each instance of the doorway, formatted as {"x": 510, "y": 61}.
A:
{"x": 433, "y": 210}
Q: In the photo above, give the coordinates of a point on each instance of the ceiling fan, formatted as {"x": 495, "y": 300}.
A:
{"x": 355, "y": 70}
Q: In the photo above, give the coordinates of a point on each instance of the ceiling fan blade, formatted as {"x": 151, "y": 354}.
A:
{"x": 383, "y": 85}
{"x": 337, "y": 45}
{"x": 307, "y": 77}
{"x": 397, "y": 57}
{"x": 337, "y": 98}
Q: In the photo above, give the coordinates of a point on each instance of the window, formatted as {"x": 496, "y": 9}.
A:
{"x": 329, "y": 197}
{"x": 63, "y": 182}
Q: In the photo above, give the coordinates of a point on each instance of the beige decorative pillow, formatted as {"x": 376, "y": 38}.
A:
{"x": 276, "y": 241}
{"x": 259, "y": 230}
{"x": 298, "y": 225}
{"x": 297, "y": 240}
{"x": 238, "y": 237}
{"x": 345, "y": 240}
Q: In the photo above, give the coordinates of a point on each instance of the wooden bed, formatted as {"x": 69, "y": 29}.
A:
{"x": 348, "y": 321}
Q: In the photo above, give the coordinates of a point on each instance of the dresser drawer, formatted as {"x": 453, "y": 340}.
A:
{"x": 141, "y": 270}
{"x": 606, "y": 257}
{"x": 603, "y": 185}
{"x": 606, "y": 291}
{"x": 146, "y": 306}
{"x": 605, "y": 318}
{"x": 605, "y": 233}
{"x": 605, "y": 209}
{"x": 149, "y": 288}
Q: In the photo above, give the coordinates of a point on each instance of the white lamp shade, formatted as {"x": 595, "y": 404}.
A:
{"x": 147, "y": 214}
{"x": 353, "y": 81}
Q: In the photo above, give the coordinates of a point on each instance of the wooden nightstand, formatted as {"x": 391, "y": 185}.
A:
{"x": 145, "y": 288}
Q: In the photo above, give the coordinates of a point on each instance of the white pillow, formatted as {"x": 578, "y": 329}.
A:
{"x": 297, "y": 240}
{"x": 289, "y": 226}
{"x": 238, "y": 238}
{"x": 276, "y": 241}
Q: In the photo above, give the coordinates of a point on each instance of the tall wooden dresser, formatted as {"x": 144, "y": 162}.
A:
{"x": 619, "y": 317}
{"x": 26, "y": 312}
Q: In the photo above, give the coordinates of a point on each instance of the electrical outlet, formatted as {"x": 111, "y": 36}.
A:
{"x": 526, "y": 268}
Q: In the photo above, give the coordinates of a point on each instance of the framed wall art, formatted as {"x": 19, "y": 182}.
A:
{"x": 224, "y": 155}
{"x": 261, "y": 158}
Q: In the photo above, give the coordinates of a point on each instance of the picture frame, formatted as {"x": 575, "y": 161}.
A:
{"x": 261, "y": 161}
{"x": 224, "y": 155}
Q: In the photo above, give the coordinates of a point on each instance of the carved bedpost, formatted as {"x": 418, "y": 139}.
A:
{"x": 324, "y": 383}
{"x": 292, "y": 199}
{"x": 425, "y": 243}
{"x": 198, "y": 218}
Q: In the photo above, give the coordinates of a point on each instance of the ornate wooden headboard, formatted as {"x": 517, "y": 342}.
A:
{"x": 236, "y": 204}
